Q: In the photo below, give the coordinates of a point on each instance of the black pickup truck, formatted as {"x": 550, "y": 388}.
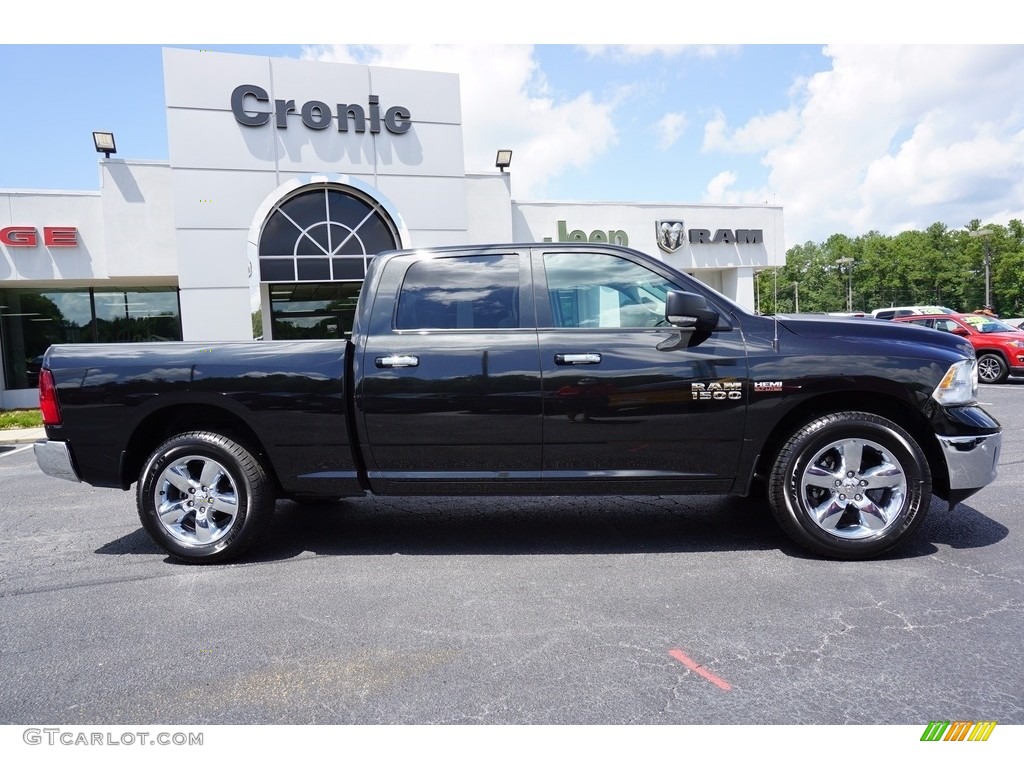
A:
{"x": 545, "y": 369}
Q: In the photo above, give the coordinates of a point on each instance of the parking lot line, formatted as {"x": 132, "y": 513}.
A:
{"x": 13, "y": 451}
{"x": 686, "y": 661}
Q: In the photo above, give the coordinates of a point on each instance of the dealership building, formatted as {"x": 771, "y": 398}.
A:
{"x": 284, "y": 178}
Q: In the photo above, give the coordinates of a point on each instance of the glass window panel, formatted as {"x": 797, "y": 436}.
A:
{"x": 137, "y": 315}
{"x": 342, "y": 238}
{"x": 598, "y": 290}
{"x": 313, "y": 310}
{"x": 308, "y": 208}
{"x": 327, "y": 222}
{"x": 314, "y": 242}
{"x": 352, "y": 246}
{"x": 346, "y": 208}
{"x": 278, "y": 238}
{"x": 376, "y": 236}
{"x": 314, "y": 269}
{"x": 30, "y": 321}
{"x": 277, "y": 269}
{"x": 469, "y": 292}
{"x": 349, "y": 269}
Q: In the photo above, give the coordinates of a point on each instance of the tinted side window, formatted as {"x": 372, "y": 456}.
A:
{"x": 600, "y": 290}
{"x": 460, "y": 293}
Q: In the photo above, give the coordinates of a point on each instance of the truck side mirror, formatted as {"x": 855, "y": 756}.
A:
{"x": 690, "y": 310}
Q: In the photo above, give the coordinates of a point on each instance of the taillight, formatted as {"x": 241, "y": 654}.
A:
{"x": 48, "y": 398}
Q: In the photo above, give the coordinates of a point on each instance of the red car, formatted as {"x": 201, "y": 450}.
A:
{"x": 999, "y": 347}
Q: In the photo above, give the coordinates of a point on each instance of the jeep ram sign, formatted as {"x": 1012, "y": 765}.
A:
{"x": 670, "y": 236}
{"x": 247, "y": 99}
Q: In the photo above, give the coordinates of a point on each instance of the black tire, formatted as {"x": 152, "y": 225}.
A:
{"x": 833, "y": 508}
{"x": 992, "y": 369}
{"x": 204, "y": 498}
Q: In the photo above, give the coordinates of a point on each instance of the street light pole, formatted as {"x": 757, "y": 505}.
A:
{"x": 848, "y": 262}
{"x": 986, "y": 234}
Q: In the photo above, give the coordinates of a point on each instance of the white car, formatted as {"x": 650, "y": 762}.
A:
{"x": 888, "y": 313}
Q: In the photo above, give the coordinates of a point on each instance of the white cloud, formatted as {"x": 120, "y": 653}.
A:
{"x": 888, "y": 135}
{"x": 721, "y": 190}
{"x": 669, "y": 128}
{"x": 506, "y": 103}
{"x": 718, "y": 188}
{"x": 898, "y": 135}
{"x": 643, "y": 51}
{"x": 759, "y": 134}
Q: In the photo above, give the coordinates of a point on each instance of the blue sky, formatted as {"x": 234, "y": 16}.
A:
{"x": 848, "y": 135}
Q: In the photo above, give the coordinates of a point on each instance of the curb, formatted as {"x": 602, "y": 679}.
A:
{"x": 21, "y": 436}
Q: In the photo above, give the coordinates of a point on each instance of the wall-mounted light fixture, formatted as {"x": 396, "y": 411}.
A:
{"x": 503, "y": 159}
{"x": 104, "y": 142}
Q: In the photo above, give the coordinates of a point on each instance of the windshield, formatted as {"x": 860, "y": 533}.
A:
{"x": 983, "y": 324}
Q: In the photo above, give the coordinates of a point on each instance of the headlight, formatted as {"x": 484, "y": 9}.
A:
{"x": 959, "y": 386}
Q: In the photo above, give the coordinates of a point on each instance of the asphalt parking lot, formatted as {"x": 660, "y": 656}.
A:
{"x": 675, "y": 610}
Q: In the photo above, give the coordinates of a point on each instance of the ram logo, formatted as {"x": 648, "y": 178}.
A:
{"x": 670, "y": 235}
{"x": 718, "y": 390}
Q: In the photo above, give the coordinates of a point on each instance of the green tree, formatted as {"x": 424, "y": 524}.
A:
{"x": 938, "y": 265}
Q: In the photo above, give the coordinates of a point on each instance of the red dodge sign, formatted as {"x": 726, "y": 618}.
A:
{"x": 28, "y": 237}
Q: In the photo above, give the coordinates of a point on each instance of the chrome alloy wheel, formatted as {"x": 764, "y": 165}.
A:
{"x": 991, "y": 369}
{"x": 853, "y": 488}
{"x": 196, "y": 500}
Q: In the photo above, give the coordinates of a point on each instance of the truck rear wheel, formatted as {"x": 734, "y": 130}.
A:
{"x": 850, "y": 486}
{"x": 203, "y": 497}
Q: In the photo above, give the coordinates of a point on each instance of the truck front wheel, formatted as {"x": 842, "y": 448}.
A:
{"x": 204, "y": 498}
{"x": 850, "y": 485}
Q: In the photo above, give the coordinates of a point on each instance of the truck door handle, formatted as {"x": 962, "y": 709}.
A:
{"x": 582, "y": 358}
{"x": 397, "y": 361}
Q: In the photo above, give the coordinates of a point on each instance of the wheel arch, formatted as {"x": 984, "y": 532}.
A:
{"x": 181, "y": 417}
{"x": 880, "y": 404}
{"x": 856, "y": 510}
{"x": 991, "y": 351}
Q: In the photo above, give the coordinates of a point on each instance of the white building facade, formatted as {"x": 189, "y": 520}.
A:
{"x": 284, "y": 178}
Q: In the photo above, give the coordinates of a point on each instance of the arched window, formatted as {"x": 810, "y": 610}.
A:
{"x": 323, "y": 233}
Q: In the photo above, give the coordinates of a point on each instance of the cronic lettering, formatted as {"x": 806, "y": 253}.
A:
{"x": 315, "y": 114}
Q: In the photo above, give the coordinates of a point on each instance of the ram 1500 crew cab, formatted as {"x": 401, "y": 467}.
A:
{"x": 551, "y": 369}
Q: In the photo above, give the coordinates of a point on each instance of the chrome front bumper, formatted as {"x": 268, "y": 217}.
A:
{"x": 971, "y": 461}
{"x": 54, "y": 458}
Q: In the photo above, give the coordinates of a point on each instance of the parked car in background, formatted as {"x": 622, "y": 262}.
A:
{"x": 998, "y": 346}
{"x": 889, "y": 313}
